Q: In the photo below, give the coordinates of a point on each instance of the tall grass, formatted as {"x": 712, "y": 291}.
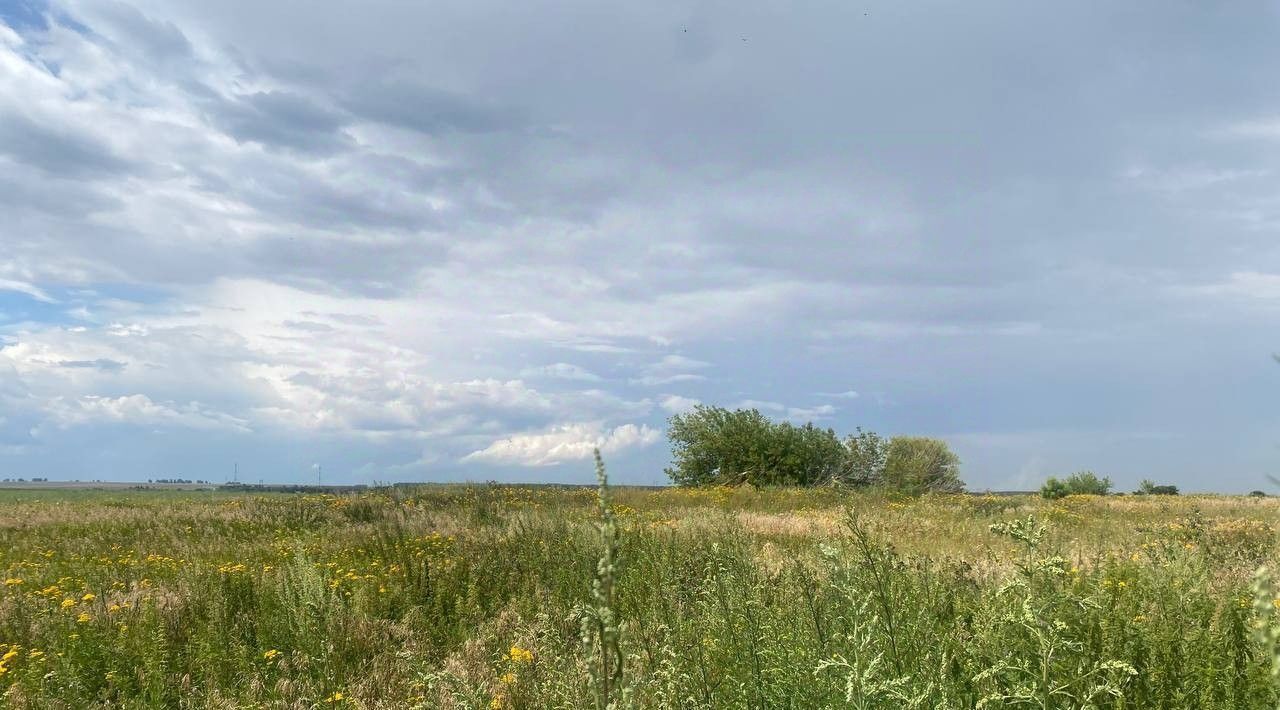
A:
{"x": 492, "y": 597}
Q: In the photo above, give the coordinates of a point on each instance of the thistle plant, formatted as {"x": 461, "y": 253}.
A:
{"x": 1265, "y": 627}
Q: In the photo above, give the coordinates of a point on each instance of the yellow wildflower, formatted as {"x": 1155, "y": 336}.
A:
{"x": 521, "y": 655}
{"x": 68, "y": 603}
{"x": 336, "y": 697}
{"x": 12, "y": 582}
{"x": 12, "y": 653}
{"x": 270, "y": 654}
{"x": 88, "y": 597}
{"x": 83, "y": 618}
{"x": 507, "y": 679}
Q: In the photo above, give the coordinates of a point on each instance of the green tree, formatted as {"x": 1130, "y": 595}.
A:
{"x": 1148, "y": 487}
{"x": 919, "y": 464}
{"x": 1081, "y": 483}
{"x": 864, "y": 458}
{"x": 715, "y": 445}
{"x": 1054, "y": 489}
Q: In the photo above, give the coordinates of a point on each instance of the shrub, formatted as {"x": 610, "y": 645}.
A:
{"x": 918, "y": 464}
{"x": 1149, "y": 488}
{"x": 1082, "y": 483}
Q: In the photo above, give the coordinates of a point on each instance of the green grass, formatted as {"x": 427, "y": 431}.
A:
{"x": 482, "y": 597}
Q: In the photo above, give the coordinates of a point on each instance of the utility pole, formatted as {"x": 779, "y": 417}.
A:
{"x": 319, "y": 468}
{"x": 235, "y": 472}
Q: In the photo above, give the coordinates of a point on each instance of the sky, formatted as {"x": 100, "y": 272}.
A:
{"x": 473, "y": 240}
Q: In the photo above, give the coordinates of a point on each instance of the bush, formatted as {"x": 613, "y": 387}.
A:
{"x": 918, "y": 464}
{"x": 1082, "y": 483}
{"x": 1149, "y": 488}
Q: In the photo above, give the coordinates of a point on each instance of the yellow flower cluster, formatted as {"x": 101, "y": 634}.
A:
{"x": 520, "y": 655}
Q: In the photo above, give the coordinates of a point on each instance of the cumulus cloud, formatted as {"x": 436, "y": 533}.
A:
{"x": 798, "y": 414}
{"x": 565, "y": 442}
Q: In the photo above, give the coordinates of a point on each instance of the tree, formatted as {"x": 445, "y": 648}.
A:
{"x": 1148, "y": 487}
{"x": 1081, "y": 483}
{"x": 918, "y": 464}
{"x": 864, "y": 458}
{"x": 1054, "y": 489}
{"x": 715, "y": 445}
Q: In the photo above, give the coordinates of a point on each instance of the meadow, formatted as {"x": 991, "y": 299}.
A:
{"x": 492, "y": 597}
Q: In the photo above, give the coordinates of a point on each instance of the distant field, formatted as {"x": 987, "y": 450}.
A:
{"x": 100, "y": 485}
{"x": 476, "y": 597}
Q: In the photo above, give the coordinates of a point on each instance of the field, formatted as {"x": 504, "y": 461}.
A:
{"x": 482, "y": 597}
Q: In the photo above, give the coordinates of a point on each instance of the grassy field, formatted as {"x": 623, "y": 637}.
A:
{"x": 482, "y": 597}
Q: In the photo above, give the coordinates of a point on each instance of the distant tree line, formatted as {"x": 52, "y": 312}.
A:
{"x": 1088, "y": 483}
{"x": 717, "y": 446}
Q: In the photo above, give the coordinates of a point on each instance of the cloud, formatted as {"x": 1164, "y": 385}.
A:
{"x": 565, "y": 442}
{"x": 1248, "y": 285}
{"x": 676, "y": 404}
{"x": 29, "y": 289}
{"x": 670, "y": 370}
{"x": 139, "y": 410}
{"x": 101, "y": 363}
{"x": 561, "y": 370}
{"x": 847, "y": 394}
{"x": 281, "y": 118}
{"x": 796, "y": 414}
{"x": 398, "y": 233}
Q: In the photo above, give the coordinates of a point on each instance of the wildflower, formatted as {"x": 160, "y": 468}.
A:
{"x": 68, "y": 603}
{"x": 10, "y": 655}
{"x": 496, "y": 703}
{"x": 270, "y": 654}
{"x": 521, "y": 655}
{"x": 84, "y": 617}
{"x": 88, "y": 597}
{"x": 336, "y": 697}
{"x": 507, "y": 678}
{"x": 12, "y": 582}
